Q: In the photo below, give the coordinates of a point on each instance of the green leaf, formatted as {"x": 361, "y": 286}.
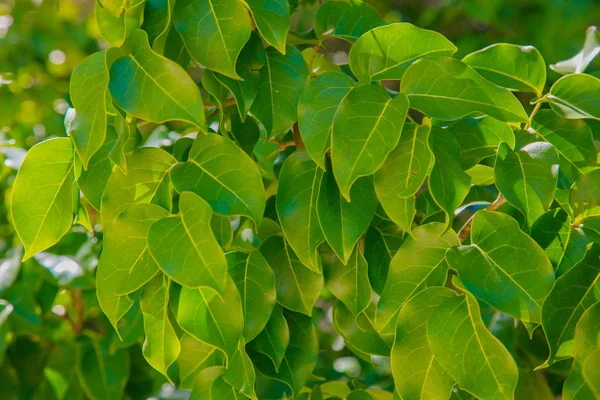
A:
{"x": 343, "y": 222}
{"x": 527, "y": 178}
{"x": 349, "y": 283}
{"x": 41, "y": 203}
{"x": 93, "y": 181}
{"x": 256, "y": 283}
{"x": 366, "y": 129}
{"x": 250, "y": 61}
{"x": 221, "y": 228}
{"x": 89, "y": 95}
{"x": 449, "y": 184}
{"x": 272, "y": 18}
{"x": 144, "y": 75}
{"x": 564, "y": 244}
{"x": 301, "y": 355}
{"x": 418, "y": 263}
{"x": 590, "y": 372}
{"x": 125, "y": 264}
{"x": 274, "y": 339}
{"x": 448, "y": 89}
{"x": 586, "y": 341}
{"x": 504, "y": 267}
{"x": 359, "y": 331}
{"x": 572, "y": 140}
{"x": 194, "y": 357}
{"x": 403, "y": 172}
{"x": 231, "y": 188}
{"x": 189, "y": 253}
{"x": 297, "y": 197}
{"x": 214, "y": 32}
{"x": 212, "y": 318}
{"x": 355, "y": 21}
{"x": 387, "y": 51}
{"x": 317, "y": 107}
{"x": 240, "y": 373}
{"x": 297, "y": 286}
{"x": 129, "y": 139}
{"x": 281, "y": 82}
{"x": 478, "y": 138}
{"x": 382, "y": 241}
{"x": 161, "y": 347}
{"x": 519, "y": 68}
{"x": 157, "y": 19}
{"x": 328, "y": 15}
{"x": 584, "y": 196}
{"x": 117, "y": 27}
{"x": 417, "y": 373}
{"x": 147, "y": 171}
{"x": 468, "y": 352}
{"x": 245, "y": 133}
{"x": 576, "y": 96}
{"x": 573, "y": 293}
{"x": 102, "y": 374}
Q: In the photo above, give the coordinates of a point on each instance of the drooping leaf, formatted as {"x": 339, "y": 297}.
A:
{"x": 349, "y": 283}
{"x": 297, "y": 286}
{"x": 212, "y": 318}
{"x": 527, "y": 178}
{"x": 297, "y": 197}
{"x": 102, "y": 374}
{"x": 214, "y": 32}
{"x": 359, "y": 332}
{"x": 564, "y": 244}
{"x": 272, "y": 18}
{"x": 240, "y": 373}
{"x": 231, "y": 188}
{"x": 461, "y": 344}
{"x": 245, "y": 133}
{"x": 317, "y": 107}
{"x": 125, "y": 264}
{"x": 448, "y": 183}
{"x": 576, "y": 96}
{"x": 256, "y": 283}
{"x": 154, "y": 88}
{"x": 572, "y": 140}
{"x": 161, "y": 347}
{"x": 366, "y": 128}
{"x": 404, "y": 171}
{"x": 585, "y": 195}
{"x": 418, "y": 263}
{"x": 387, "y": 51}
{"x": 504, "y": 267}
{"x": 281, "y": 82}
{"x": 518, "y": 68}
{"x": 573, "y": 293}
{"x": 274, "y": 338}
{"x": 89, "y": 94}
{"x": 479, "y": 138}
{"x": 147, "y": 171}
{"x": 189, "y": 254}
{"x": 381, "y": 243}
{"x": 343, "y": 222}
{"x": 448, "y": 89}
{"x": 41, "y": 203}
{"x": 128, "y": 140}
{"x": 417, "y": 373}
{"x": 194, "y": 357}
{"x": 301, "y": 355}
{"x": 157, "y": 19}
{"x": 117, "y": 27}
{"x": 586, "y": 342}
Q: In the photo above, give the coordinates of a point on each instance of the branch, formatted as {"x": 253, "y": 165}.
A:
{"x": 465, "y": 231}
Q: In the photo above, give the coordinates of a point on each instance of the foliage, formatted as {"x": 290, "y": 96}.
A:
{"x": 240, "y": 202}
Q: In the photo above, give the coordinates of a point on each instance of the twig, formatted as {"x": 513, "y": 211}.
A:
{"x": 224, "y": 103}
{"x": 297, "y": 137}
{"x": 535, "y": 110}
{"x": 465, "y": 231}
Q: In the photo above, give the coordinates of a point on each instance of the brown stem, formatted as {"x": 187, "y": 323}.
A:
{"x": 78, "y": 323}
{"x": 465, "y": 231}
{"x": 312, "y": 59}
{"x": 297, "y": 137}
{"x": 224, "y": 103}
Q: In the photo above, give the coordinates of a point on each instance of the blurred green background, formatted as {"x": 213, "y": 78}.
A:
{"x": 42, "y": 41}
